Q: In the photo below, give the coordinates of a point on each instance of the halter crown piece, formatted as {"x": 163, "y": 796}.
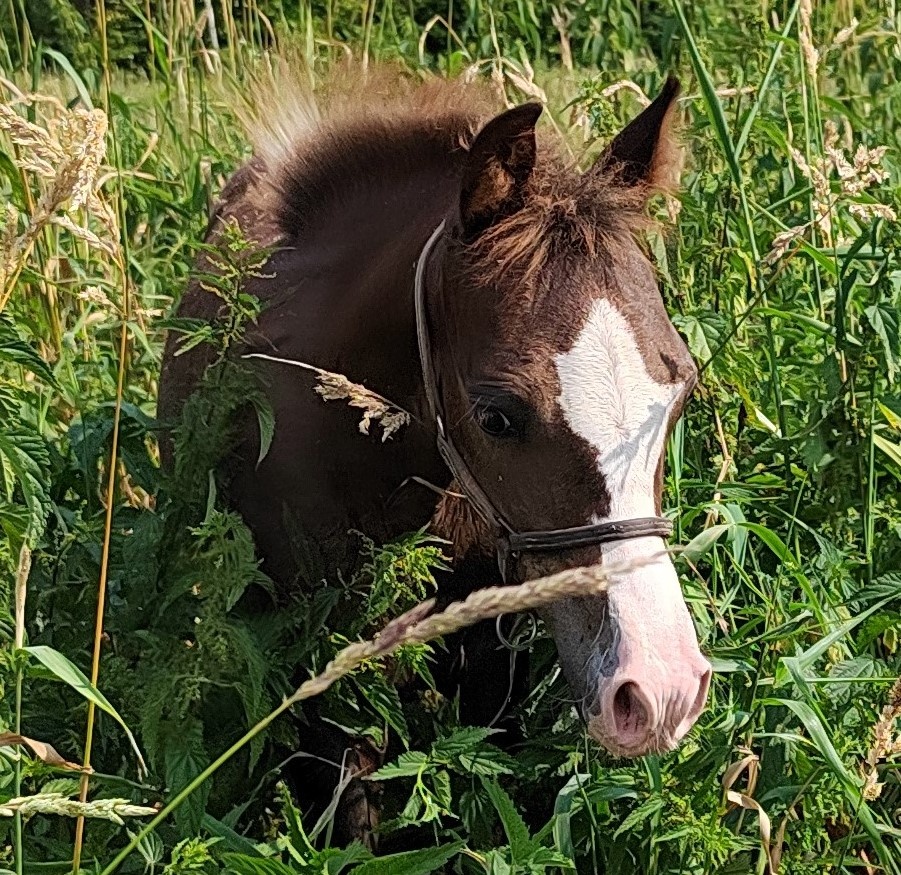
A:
{"x": 510, "y": 543}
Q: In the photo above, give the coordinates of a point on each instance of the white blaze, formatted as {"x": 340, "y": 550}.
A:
{"x": 609, "y": 398}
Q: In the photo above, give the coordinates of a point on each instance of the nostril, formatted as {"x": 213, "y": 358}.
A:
{"x": 630, "y": 714}
{"x": 689, "y": 718}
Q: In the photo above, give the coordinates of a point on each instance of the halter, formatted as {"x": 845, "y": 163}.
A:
{"x": 510, "y": 543}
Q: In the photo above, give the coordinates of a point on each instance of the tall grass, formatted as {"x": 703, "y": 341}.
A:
{"x": 780, "y": 267}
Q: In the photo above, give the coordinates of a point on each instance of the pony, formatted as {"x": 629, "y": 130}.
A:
{"x": 454, "y": 261}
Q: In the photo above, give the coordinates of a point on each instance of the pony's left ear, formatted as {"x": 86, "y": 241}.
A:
{"x": 645, "y": 152}
{"x": 500, "y": 162}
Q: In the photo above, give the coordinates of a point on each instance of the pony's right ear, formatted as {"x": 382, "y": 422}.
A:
{"x": 645, "y": 152}
{"x": 499, "y": 164}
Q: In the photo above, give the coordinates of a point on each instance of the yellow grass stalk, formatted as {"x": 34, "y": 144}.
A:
{"x": 112, "y": 471}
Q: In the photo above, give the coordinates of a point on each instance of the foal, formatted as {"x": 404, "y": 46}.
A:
{"x": 451, "y": 262}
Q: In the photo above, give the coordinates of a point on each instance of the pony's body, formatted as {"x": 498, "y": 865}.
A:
{"x": 556, "y": 367}
{"x": 338, "y": 295}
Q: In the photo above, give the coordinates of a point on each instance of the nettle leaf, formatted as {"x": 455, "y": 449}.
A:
{"x": 886, "y": 586}
{"x": 644, "y": 812}
{"x": 441, "y": 787}
{"x": 514, "y": 826}
{"x": 464, "y": 740}
{"x": 408, "y": 765}
{"x": 384, "y": 698}
{"x": 14, "y": 519}
{"x": 488, "y": 760}
{"x": 241, "y": 864}
{"x": 184, "y": 758}
{"x": 856, "y": 667}
{"x": 410, "y": 862}
{"x": 332, "y": 861}
{"x": 15, "y": 350}
{"x": 25, "y": 454}
{"x": 883, "y": 318}
{"x": 702, "y": 332}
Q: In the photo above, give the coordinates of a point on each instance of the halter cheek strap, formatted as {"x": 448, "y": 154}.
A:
{"x": 510, "y": 543}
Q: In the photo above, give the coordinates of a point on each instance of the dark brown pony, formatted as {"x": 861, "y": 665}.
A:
{"x": 556, "y": 369}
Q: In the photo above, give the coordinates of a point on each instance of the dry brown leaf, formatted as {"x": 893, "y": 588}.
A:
{"x": 750, "y": 763}
{"x": 43, "y": 751}
{"x": 763, "y": 820}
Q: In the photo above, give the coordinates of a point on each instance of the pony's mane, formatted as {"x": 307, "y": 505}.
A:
{"x": 309, "y": 142}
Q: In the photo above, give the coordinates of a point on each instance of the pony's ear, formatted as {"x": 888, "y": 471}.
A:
{"x": 499, "y": 163}
{"x": 645, "y": 151}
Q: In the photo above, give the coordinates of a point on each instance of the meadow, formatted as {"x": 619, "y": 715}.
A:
{"x": 132, "y": 638}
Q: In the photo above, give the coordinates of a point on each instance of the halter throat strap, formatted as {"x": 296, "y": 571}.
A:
{"x": 510, "y": 543}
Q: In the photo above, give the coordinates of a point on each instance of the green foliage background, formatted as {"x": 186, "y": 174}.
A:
{"x": 783, "y": 476}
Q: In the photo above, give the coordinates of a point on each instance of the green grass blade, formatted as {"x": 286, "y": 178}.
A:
{"x": 71, "y": 674}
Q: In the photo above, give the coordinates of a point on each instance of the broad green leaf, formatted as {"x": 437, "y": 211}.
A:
{"x": 892, "y": 450}
{"x": 883, "y": 317}
{"x": 265, "y": 421}
{"x": 703, "y": 543}
{"x": 71, "y": 674}
{"x": 806, "y": 659}
{"x": 237, "y": 843}
{"x": 711, "y": 99}
{"x": 565, "y": 806}
{"x": 242, "y": 864}
{"x": 66, "y": 65}
{"x": 14, "y": 349}
{"x": 761, "y": 90}
{"x": 892, "y": 418}
{"x": 851, "y": 783}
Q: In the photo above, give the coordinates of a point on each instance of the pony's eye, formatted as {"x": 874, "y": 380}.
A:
{"x": 494, "y": 422}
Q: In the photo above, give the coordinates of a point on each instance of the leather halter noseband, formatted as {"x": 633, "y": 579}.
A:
{"x": 509, "y": 541}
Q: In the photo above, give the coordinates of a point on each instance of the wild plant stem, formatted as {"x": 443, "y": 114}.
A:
{"x": 718, "y": 119}
{"x": 22, "y": 570}
{"x": 17, "y": 783}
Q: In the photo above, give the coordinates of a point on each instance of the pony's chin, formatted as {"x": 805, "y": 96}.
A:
{"x": 659, "y": 742}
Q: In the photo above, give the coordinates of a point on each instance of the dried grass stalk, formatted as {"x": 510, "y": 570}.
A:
{"x": 835, "y": 178}
{"x": 64, "y": 159}
{"x": 419, "y": 624}
{"x": 885, "y": 743}
{"x": 336, "y": 387}
{"x": 56, "y": 803}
